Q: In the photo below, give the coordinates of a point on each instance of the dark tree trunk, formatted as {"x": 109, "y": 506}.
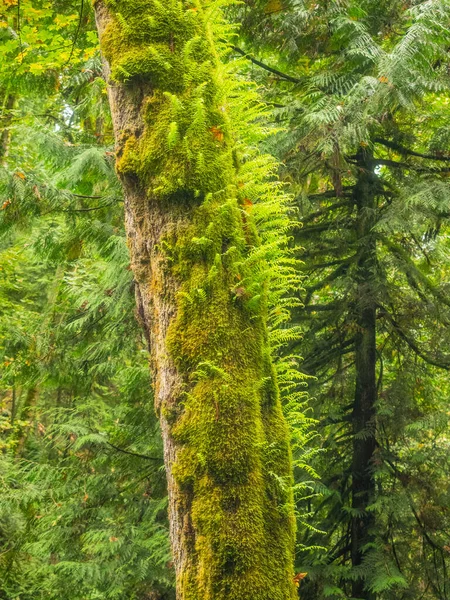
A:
{"x": 363, "y": 417}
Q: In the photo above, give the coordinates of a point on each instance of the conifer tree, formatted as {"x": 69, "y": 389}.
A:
{"x": 353, "y": 82}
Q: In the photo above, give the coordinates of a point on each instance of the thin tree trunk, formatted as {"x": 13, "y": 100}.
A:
{"x": 27, "y": 415}
{"x": 13, "y": 404}
{"x": 5, "y": 122}
{"x": 226, "y": 446}
{"x": 363, "y": 484}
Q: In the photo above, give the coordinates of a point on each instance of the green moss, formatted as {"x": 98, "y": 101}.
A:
{"x": 235, "y": 456}
{"x": 167, "y": 46}
{"x": 233, "y": 466}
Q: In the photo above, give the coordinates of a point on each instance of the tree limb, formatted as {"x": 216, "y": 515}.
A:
{"x": 403, "y": 150}
{"x": 144, "y": 456}
{"x": 257, "y": 62}
{"x": 412, "y": 344}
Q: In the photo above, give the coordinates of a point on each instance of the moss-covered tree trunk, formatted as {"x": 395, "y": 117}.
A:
{"x": 363, "y": 483}
{"x": 226, "y": 443}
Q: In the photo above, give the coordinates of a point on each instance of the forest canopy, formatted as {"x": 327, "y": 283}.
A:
{"x": 224, "y": 300}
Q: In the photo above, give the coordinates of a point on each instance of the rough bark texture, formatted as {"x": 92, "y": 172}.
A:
{"x": 363, "y": 484}
{"x": 226, "y": 444}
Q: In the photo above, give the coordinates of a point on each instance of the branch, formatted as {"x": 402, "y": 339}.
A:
{"x": 416, "y": 241}
{"x": 328, "y": 279}
{"x": 402, "y": 165}
{"x": 325, "y": 209}
{"x": 75, "y": 39}
{"x": 322, "y": 356}
{"x": 70, "y": 210}
{"x": 265, "y": 67}
{"x": 412, "y": 344}
{"x": 391, "y": 163}
{"x": 331, "y": 193}
{"x": 327, "y": 226}
{"x": 321, "y": 307}
{"x": 413, "y": 271}
{"x": 400, "y": 476}
{"x": 144, "y": 456}
{"x": 324, "y": 265}
{"x": 403, "y": 150}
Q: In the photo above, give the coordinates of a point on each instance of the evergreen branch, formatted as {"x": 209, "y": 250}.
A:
{"x": 394, "y": 552}
{"x": 402, "y": 165}
{"x": 144, "y": 456}
{"x": 324, "y": 265}
{"x": 333, "y": 556}
{"x": 324, "y": 210}
{"x": 401, "y": 477}
{"x": 262, "y": 65}
{"x": 403, "y": 150}
{"x": 323, "y": 358}
{"x": 60, "y": 122}
{"x": 413, "y": 271}
{"x": 331, "y": 277}
{"x": 385, "y": 162}
{"x": 332, "y": 194}
{"x": 332, "y": 226}
{"x": 339, "y": 371}
{"x": 322, "y": 307}
{"x": 421, "y": 248}
{"x": 413, "y": 345}
{"x": 87, "y": 209}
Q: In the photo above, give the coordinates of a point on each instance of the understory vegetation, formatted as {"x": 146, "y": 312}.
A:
{"x": 310, "y": 143}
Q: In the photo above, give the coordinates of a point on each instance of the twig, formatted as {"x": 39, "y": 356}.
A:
{"x": 144, "y": 456}
{"x": 75, "y": 39}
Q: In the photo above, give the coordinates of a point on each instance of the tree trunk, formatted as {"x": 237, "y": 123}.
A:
{"x": 226, "y": 445}
{"x": 363, "y": 484}
{"x": 5, "y": 122}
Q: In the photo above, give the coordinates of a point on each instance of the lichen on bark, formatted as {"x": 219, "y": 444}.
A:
{"x": 190, "y": 233}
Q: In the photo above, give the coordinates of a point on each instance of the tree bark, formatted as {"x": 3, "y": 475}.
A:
{"x": 226, "y": 445}
{"x": 363, "y": 484}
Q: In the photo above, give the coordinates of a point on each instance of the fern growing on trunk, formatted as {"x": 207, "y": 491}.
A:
{"x": 207, "y": 232}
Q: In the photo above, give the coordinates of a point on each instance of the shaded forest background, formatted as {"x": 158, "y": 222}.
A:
{"x": 358, "y": 103}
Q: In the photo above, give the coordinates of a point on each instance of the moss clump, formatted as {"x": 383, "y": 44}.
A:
{"x": 233, "y": 466}
{"x": 235, "y": 451}
{"x": 168, "y": 46}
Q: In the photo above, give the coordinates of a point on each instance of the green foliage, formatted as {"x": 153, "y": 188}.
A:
{"x": 370, "y": 97}
{"x": 197, "y": 149}
{"x": 83, "y": 495}
{"x": 355, "y": 87}
{"x": 83, "y": 513}
{"x": 83, "y": 479}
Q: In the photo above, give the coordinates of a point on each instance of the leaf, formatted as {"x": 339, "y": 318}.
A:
{"x": 217, "y": 133}
{"x": 298, "y": 578}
